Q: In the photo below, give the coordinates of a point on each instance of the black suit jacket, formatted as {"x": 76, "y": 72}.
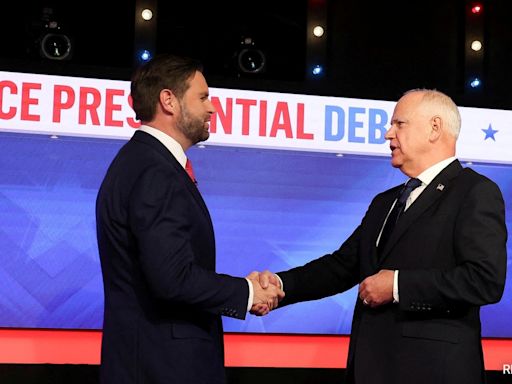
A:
{"x": 450, "y": 250}
{"x": 163, "y": 299}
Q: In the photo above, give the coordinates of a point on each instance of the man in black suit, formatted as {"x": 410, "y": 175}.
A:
{"x": 421, "y": 283}
{"x": 163, "y": 298}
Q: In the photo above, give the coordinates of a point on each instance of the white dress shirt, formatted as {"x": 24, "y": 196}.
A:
{"x": 426, "y": 178}
{"x": 177, "y": 151}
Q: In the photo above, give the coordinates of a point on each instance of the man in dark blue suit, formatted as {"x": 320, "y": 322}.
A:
{"x": 424, "y": 269}
{"x": 163, "y": 298}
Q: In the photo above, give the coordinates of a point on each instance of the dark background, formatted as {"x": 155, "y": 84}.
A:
{"x": 88, "y": 374}
{"x": 374, "y": 49}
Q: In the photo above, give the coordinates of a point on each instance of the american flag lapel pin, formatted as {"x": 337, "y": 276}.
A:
{"x": 440, "y": 187}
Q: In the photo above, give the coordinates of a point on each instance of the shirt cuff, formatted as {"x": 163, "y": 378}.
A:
{"x": 251, "y": 295}
{"x": 396, "y": 297}
{"x": 280, "y": 281}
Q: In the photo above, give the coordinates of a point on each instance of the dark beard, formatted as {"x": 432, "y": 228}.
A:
{"x": 192, "y": 127}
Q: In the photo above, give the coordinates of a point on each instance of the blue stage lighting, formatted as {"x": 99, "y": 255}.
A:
{"x": 145, "y": 55}
{"x": 317, "y": 70}
{"x": 475, "y": 83}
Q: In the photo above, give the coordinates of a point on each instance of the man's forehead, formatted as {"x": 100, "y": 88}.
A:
{"x": 408, "y": 102}
{"x": 411, "y": 97}
{"x": 198, "y": 82}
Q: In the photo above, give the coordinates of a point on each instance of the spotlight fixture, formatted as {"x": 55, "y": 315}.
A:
{"x": 145, "y": 55}
{"x": 474, "y": 50}
{"x": 316, "y": 48}
{"x": 249, "y": 58}
{"x": 317, "y": 70}
{"x": 476, "y": 45}
{"x": 147, "y": 14}
{"x": 53, "y": 43}
{"x": 476, "y": 9}
{"x": 475, "y": 82}
{"x": 145, "y": 27}
{"x": 318, "y": 31}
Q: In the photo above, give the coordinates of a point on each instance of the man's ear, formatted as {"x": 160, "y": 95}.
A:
{"x": 436, "y": 128}
{"x": 167, "y": 100}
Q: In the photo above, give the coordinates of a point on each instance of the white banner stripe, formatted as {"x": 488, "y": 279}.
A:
{"x": 75, "y": 106}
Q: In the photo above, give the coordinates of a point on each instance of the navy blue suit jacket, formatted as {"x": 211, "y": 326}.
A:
{"x": 163, "y": 299}
{"x": 450, "y": 249}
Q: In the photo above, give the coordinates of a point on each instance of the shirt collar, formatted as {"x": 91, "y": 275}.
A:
{"x": 430, "y": 173}
{"x": 172, "y": 145}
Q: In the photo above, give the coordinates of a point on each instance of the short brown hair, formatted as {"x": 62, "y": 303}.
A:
{"x": 164, "y": 71}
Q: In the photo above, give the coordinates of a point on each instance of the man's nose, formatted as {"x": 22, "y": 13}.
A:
{"x": 389, "y": 133}
{"x": 211, "y": 108}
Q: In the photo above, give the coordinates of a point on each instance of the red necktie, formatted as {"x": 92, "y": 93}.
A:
{"x": 190, "y": 171}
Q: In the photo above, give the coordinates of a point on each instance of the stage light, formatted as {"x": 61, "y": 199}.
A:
{"x": 476, "y": 9}
{"x": 145, "y": 55}
{"x": 55, "y": 46}
{"x": 144, "y": 39}
{"x": 147, "y": 14}
{"x": 475, "y": 82}
{"x": 53, "y": 42}
{"x": 317, "y": 70}
{"x": 249, "y": 58}
{"x": 476, "y": 45}
{"x": 316, "y": 49}
{"x": 318, "y": 31}
{"x": 474, "y": 55}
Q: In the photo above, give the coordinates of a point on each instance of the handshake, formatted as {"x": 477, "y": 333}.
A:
{"x": 267, "y": 292}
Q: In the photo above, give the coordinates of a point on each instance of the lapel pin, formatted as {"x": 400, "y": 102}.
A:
{"x": 440, "y": 187}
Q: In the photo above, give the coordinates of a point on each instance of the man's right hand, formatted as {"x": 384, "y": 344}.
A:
{"x": 267, "y": 292}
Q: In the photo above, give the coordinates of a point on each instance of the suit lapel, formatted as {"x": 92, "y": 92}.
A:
{"x": 437, "y": 187}
{"x": 376, "y": 217}
{"x": 185, "y": 178}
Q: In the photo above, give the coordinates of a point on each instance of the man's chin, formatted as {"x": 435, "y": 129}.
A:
{"x": 395, "y": 163}
{"x": 205, "y": 136}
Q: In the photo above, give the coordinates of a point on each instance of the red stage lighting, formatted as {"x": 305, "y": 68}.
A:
{"x": 476, "y": 9}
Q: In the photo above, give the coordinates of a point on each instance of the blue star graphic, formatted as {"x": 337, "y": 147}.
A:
{"x": 489, "y": 133}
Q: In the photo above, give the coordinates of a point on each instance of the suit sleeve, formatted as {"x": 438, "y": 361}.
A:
{"x": 479, "y": 247}
{"x": 164, "y": 227}
{"x": 326, "y": 276}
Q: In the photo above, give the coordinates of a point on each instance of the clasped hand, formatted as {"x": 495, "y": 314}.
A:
{"x": 267, "y": 292}
{"x": 377, "y": 290}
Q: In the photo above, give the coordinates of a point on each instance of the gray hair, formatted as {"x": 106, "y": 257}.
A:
{"x": 445, "y": 105}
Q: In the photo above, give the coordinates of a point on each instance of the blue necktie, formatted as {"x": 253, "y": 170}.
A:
{"x": 397, "y": 210}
